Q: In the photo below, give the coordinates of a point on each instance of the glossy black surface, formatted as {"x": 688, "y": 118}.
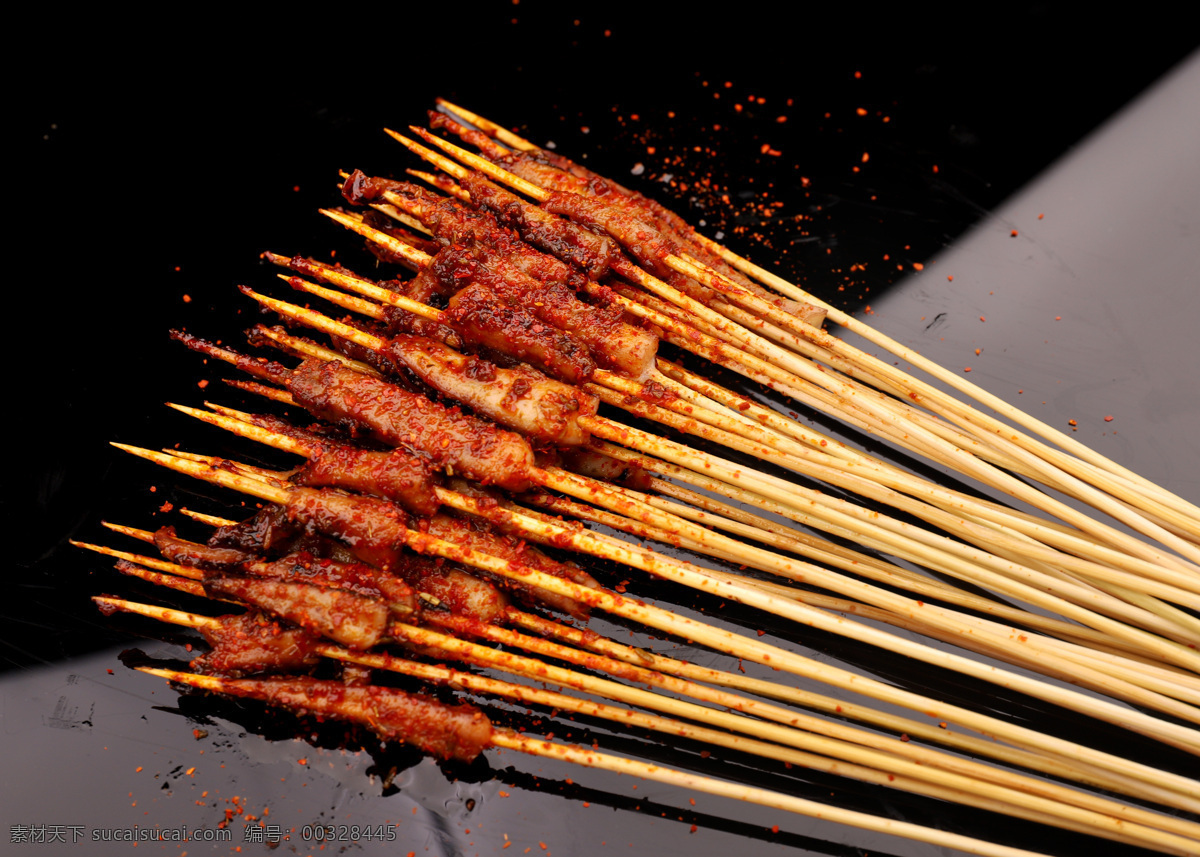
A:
{"x": 160, "y": 169}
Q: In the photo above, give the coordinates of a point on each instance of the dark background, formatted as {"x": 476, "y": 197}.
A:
{"x": 154, "y": 165}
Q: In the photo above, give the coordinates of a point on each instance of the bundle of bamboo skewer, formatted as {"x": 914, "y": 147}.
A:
{"x": 1123, "y": 607}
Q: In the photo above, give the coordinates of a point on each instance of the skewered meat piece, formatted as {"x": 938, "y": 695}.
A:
{"x": 268, "y": 531}
{"x": 250, "y": 643}
{"x": 526, "y": 279}
{"x": 478, "y": 535}
{"x": 555, "y": 173}
{"x": 456, "y": 589}
{"x": 641, "y": 239}
{"x": 346, "y": 618}
{"x": 523, "y": 277}
{"x": 451, "y": 223}
{"x": 519, "y": 398}
{"x": 357, "y": 578}
{"x": 398, "y": 418}
{"x": 482, "y": 318}
{"x": 375, "y": 531}
{"x": 447, "y": 731}
{"x": 396, "y": 475}
{"x": 195, "y": 555}
{"x": 459, "y": 591}
{"x": 592, "y": 253}
{"x": 596, "y": 465}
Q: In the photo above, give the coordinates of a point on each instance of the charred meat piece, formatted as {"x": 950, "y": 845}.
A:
{"x": 455, "y": 589}
{"x": 357, "y": 578}
{"x": 478, "y": 535}
{"x": 448, "y": 438}
{"x": 265, "y": 532}
{"x": 446, "y": 731}
{"x": 193, "y": 555}
{"x": 251, "y": 643}
{"x": 395, "y": 475}
{"x": 524, "y": 279}
{"x": 588, "y": 251}
{"x": 519, "y": 398}
{"x": 346, "y": 618}
{"x": 481, "y": 317}
{"x": 374, "y": 530}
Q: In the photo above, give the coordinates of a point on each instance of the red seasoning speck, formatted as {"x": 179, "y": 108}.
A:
{"x": 1013, "y": 233}
{"x": 1108, "y": 419}
{"x": 966, "y": 368}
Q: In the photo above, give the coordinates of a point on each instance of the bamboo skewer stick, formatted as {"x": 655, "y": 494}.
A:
{"x": 503, "y": 738}
{"x": 1091, "y": 549}
{"x": 1170, "y": 651}
{"x": 1100, "y": 819}
{"x": 932, "y": 505}
{"x": 963, "y": 385}
{"x": 1145, "y": 675}
{"x": 975, "y": 634}
{"x": 833, "y": 475}
{"x": 944, "y": 553}
{"x": 960, "y": 458}
{"x": 640, "y": 659}
{"x": 1066, "y": 768}
{"x": 592, "y": 493}
{"x": 1047, "y": 532}
{"x": 835, "y": 526}
{"x": 856, "y": 562}
{"x": 739, "y": 646}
